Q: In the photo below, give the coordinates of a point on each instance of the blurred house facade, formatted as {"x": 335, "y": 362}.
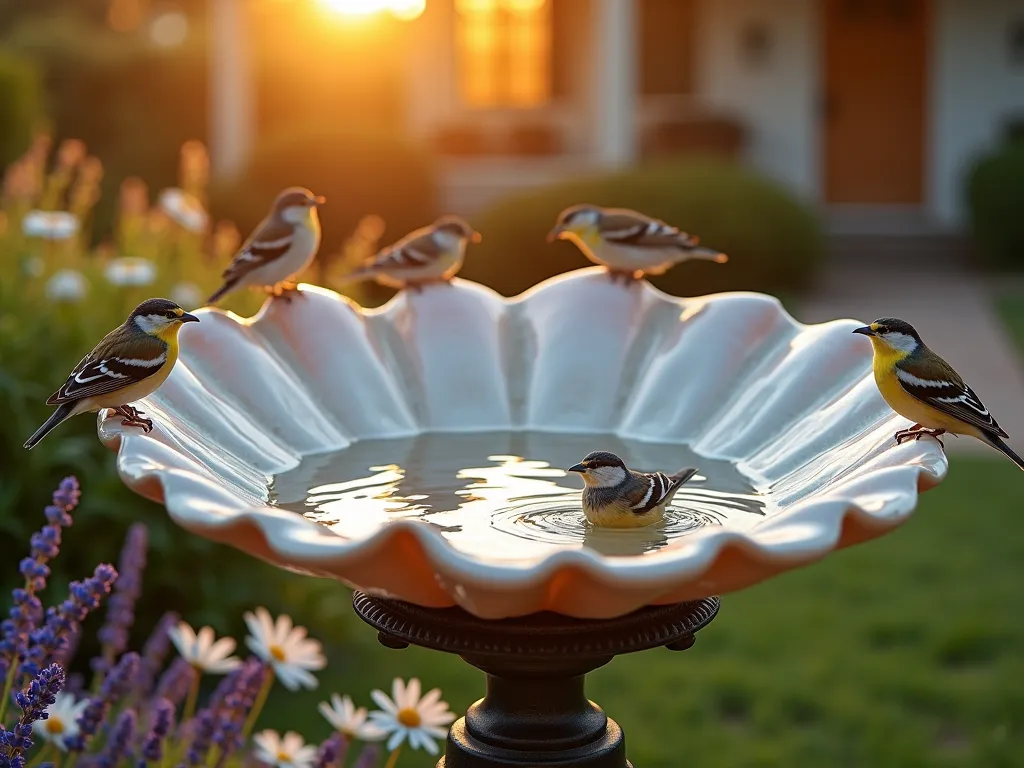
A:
{"x": 873, "y": 107}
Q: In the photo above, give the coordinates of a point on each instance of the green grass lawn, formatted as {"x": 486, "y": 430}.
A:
{"x": 906, "y": 651}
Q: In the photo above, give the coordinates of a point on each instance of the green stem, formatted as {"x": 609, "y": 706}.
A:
{"x": 193, "y": 696}
{"x": 8, "y": 685}
{"x": 71, "y": 759}
{"x": 43, "y": 753}
{"x": 261, "y": 699}
{"x": 393, "y": 758}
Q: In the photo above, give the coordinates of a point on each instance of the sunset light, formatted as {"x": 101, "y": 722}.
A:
{"x": 402, "y": 9}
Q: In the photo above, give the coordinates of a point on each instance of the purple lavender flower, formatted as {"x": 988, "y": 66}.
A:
{"x": 154, "y": 652}
{"x": 120, "y": 740}
{"x": 161, "y": 722}
{"x": 236, "y": 706}
{"x": 368, "y": 757}
{"x": 175, "y": 682}
{"x": 113, "y": 635}
{"x": 27, "y": 611}
{"x": 202, "y": 737}
{"x": 332, "y": 752}
{"x": 50, "y": 639}
{"x": 34, "y": 700}
{"x": 114, "y": 687}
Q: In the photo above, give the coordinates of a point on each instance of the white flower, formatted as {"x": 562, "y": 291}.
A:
{"x": 286, "y": 648}
{"x": 289, "y": 752}
{"x": 202, "y": 652}
{"x": 407, "y": 716}
{"x": 349, "y": 720}
{"x": 184, "y": 209}
{"x": 130, "y": 271}
{"x": 187, "y": 295}
{"x": 67, "y": 285}
{"x": 62, "y": 720}
{"x": 50, "y": 225}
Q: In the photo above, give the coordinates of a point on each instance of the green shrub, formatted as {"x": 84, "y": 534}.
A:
{"x": 995, "y": 192}
{"x": 359, "y": 172}
{"x": 774, "y": 243}
{"x": 21, "y": 106}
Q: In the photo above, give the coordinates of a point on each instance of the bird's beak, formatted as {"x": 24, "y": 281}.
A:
{"x": 476, "y": 237}
{"x": 577, "y": 468}
{"x": 865, "y": 330}
{"x": 555, "y": 233}
{"x": 188, "y": 318}
{"x": 319, "y": 200}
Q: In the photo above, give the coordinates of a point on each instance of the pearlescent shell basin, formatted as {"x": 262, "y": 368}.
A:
{"x": 731, "y": 375}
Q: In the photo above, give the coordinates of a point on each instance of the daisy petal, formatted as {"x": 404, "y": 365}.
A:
{"x": 381, "y": 700}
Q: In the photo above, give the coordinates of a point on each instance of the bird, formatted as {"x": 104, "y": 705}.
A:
{"x": 628, "y": 243}
{"x": 428, "y": 255}
{"x": 128, "y": 364}
{"x": 921, "y": 386}
{"x": 618, "y": 497}
{"x": 280, "y": 248}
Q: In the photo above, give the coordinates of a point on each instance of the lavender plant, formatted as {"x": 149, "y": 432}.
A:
{"x": 142, "y": 711}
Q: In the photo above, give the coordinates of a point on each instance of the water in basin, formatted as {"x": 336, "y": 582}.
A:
{"x": 506, "y": 495}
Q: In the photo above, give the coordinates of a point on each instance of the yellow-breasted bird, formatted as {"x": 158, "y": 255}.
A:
{"x": 628, "y": 243}
{"x": 617, "y": 497}
{"x": 128, "y": 364}
{"x": 279, "y": 249}
{"x": 921, "y": 386}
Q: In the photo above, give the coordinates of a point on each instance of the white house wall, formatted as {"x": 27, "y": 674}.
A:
{"x": 776, "y": 100}
{"x": 975, "y": 91}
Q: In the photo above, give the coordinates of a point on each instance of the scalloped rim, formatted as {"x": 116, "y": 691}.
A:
{"x": 414, "y": 562}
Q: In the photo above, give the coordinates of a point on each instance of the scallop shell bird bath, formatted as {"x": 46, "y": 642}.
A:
{"x": 416, "y": 453}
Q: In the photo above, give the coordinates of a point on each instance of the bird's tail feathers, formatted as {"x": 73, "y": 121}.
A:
{"x": 220, "y": 292}
{"x": 707, "y": 254}
{"x": 997, "y": 442}
{"x": 64, "y": 411}
{"x": 680, "y": 477}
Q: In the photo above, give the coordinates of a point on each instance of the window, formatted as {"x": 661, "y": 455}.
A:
{"x": 504, "y": 52}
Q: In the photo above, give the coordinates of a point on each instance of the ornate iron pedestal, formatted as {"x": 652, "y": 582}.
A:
{"x": 535, "y": 712}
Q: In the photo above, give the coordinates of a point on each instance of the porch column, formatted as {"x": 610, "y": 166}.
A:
{"x": 615, "y": 81}
{"x": 231, "y": 100}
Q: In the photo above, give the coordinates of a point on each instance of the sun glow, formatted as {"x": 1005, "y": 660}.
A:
{"x": 403, "y": 9}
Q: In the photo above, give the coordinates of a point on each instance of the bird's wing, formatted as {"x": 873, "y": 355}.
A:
{"x": 631, "y": 228}
{"x": 269, "y": 241}
{"x": 649, "y": 492}
{"x": 417, "y": 250}
{"x": 121, "y": 359}
{"x": 939, "y": 386}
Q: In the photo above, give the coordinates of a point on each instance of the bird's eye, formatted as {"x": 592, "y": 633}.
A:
{"x": 170, "y": 314}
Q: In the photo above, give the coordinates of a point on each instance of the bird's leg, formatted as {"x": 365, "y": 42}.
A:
{"x": 906, "y": 434}
{"x": 934, "y": 433}
{"x": 289, "y": 290}
{"x": 625, "y": 274}
{"x": 134, "y": 418}
{"x": 415, "y": 287}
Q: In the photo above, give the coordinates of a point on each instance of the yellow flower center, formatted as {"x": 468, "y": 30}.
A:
{"x": 284, "y": 757}
{"x": 54, "y": 726}
{"x": 277, "y": 652}
{"x": 410, "y": 718}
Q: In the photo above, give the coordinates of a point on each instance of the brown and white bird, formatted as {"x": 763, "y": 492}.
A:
{"x": 281, "y": 247}
{"x": 628, "y": 243}
{"x": 127, "y": 365}
{"x": 429, "y": 255}
{"x": 618, "y": 497}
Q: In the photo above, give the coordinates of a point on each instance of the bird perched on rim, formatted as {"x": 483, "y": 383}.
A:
{"x": 431, "y": 254}
{"x": 281, "y": 247}
{"x": 921, "y": 386}
{"x": 617, "y": 497}
{"x": 628, "y": 243}
{"x": 128, "y": 364}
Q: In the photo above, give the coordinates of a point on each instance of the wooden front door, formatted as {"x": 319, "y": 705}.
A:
{"x": 874, "y": 106}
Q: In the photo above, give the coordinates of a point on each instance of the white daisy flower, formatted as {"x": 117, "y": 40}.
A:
{"x": 202, "y": 652}
{"x": 289, "y": 752}
{"x": 285, "y": 648}
{"x": 350, "y": 720}
{"x": 407, "y": 717}
{"x": 49, "y": 225}
{"x": 130, "y": 271}
{"x": 187, "y": 295}
{"x": 62, "y": 720}
{"x": 184, "y": 209}
{"x": 67, "y": 285}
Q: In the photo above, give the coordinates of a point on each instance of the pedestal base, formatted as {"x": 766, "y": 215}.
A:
{"x": 535, "y": 711}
